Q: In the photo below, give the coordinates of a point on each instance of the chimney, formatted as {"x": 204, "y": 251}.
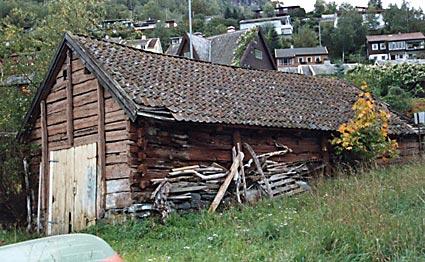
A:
{"x": 231, "y": 29}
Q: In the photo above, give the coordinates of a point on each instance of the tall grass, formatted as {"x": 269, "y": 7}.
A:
{"x": 376, "y": 216}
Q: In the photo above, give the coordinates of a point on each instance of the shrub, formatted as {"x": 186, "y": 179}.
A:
{"x": 395, "y": 84}
{"x": 366, "y": 135}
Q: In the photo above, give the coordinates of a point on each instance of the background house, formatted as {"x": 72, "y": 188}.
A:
{"x": 147, "y": 44}
{"x": 281, "y": 24}
{"x": 292, "y": 57}
{"x": 221, "y": 49}
{"x": 401, "y": 46}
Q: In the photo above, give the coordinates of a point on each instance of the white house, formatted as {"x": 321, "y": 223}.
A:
{"x": 281, "y": 24}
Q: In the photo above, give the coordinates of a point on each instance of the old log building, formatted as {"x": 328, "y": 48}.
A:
{"x": 108, "y": 118}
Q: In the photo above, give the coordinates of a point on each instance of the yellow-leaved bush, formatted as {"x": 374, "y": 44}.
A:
{"x": 366, "y": 135}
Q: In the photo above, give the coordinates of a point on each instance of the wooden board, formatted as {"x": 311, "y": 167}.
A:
{"x": 73, "y": 189}
{"x": 85, "y": 179}
{"x": 59, "y": 205}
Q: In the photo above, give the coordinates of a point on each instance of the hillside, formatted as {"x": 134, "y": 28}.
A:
{"x": 373, "y": 216}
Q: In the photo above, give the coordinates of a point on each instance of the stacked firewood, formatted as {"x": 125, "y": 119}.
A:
{"x": 189, "y": 187}
{"x": 197, "y": 187}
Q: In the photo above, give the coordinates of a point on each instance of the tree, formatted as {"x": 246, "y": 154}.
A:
{"x": 305, "y": 37}
{"x": 218, "y": 26}
{"x": 372, "y": 20}
{"x": 350, "y": 33}
{"x": 331, "y": 8}
{"x": 403, "y": 19}
{"x": 272, "y": 38}
{"x": 227, "y": 13}
{"x": 375, "y": 4}
{"x": 297, "y": 13}
{"x": 38, "y": 45}
{"x": 151, "y": 10}
{"x": 268, "y": 9}
{"x": 319, "y": 8}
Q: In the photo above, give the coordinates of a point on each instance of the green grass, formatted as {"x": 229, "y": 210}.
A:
{"x": 376, "y": 216}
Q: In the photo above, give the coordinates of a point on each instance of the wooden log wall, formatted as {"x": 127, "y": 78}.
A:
{"x": 408, "y": 147}
{"x": 75, "y": 96}
{"x": 163, "y": 146}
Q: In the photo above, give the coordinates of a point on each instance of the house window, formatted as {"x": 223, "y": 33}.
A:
{"x": 317, "y": 59}
{"x": 286, "y": 61}
{"x": 309, "y": 59}
{"x": 258, "y": 54}
{"x": 301, "y": 60}
{"x": 374, "y": 46}
{"x": 382, "y": 46}
{"x": 397, "y": 45}
{"x": 65, "y": 74}
{"x": 383, "y": 57}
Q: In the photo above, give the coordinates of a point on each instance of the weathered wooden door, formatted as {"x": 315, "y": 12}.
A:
{"x": 72, "y": 190}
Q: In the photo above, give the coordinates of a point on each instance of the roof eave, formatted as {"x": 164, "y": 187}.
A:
{"x": 104, "y": 79}
{"x": 40, "y": 91}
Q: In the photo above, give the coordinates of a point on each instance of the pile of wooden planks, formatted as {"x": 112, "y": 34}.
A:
{"x": 189, "y": 187}
{"x": 197, "y": 186}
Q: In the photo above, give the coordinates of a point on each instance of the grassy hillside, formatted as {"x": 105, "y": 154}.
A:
{"x": 378, "y": 216}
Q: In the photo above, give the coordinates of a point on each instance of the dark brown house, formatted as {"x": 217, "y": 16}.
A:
{"x": 220, "y": 49}
{"x": 106, "y": 128}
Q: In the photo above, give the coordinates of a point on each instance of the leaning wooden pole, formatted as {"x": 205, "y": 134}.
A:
{"x": 28, "y": 194}
{"x": 226, "y": 183}
{"x": 259, "y": 169}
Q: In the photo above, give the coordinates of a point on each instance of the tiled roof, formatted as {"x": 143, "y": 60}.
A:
{"x": 292, "y": 52}
{"x": 197, "y": 91}
{"x": 396, "y": 37}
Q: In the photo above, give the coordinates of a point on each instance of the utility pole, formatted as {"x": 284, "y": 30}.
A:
{"x": 190, "y": 30}
{"x": 320, "y": 35}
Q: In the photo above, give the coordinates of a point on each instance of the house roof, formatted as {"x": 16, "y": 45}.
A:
{"x": 144, "y": 43}
{"x": 201, "y": 46}
{"x": 172, "y": 49}
{"x": 218, "y": 49}
{"x": 292, "y": 52}
{"x": 263, "y": 19}
{"x": 396, "y": 37}
{"x": 223, "y": 47}
{"x": 180, "y": 89}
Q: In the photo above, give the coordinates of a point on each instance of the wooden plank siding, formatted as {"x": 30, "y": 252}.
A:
{"x": 74, "y": 121}
{"x": 408, "y": 147}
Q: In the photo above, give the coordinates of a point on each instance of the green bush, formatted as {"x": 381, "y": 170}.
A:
{"x": 395, "y": 84}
